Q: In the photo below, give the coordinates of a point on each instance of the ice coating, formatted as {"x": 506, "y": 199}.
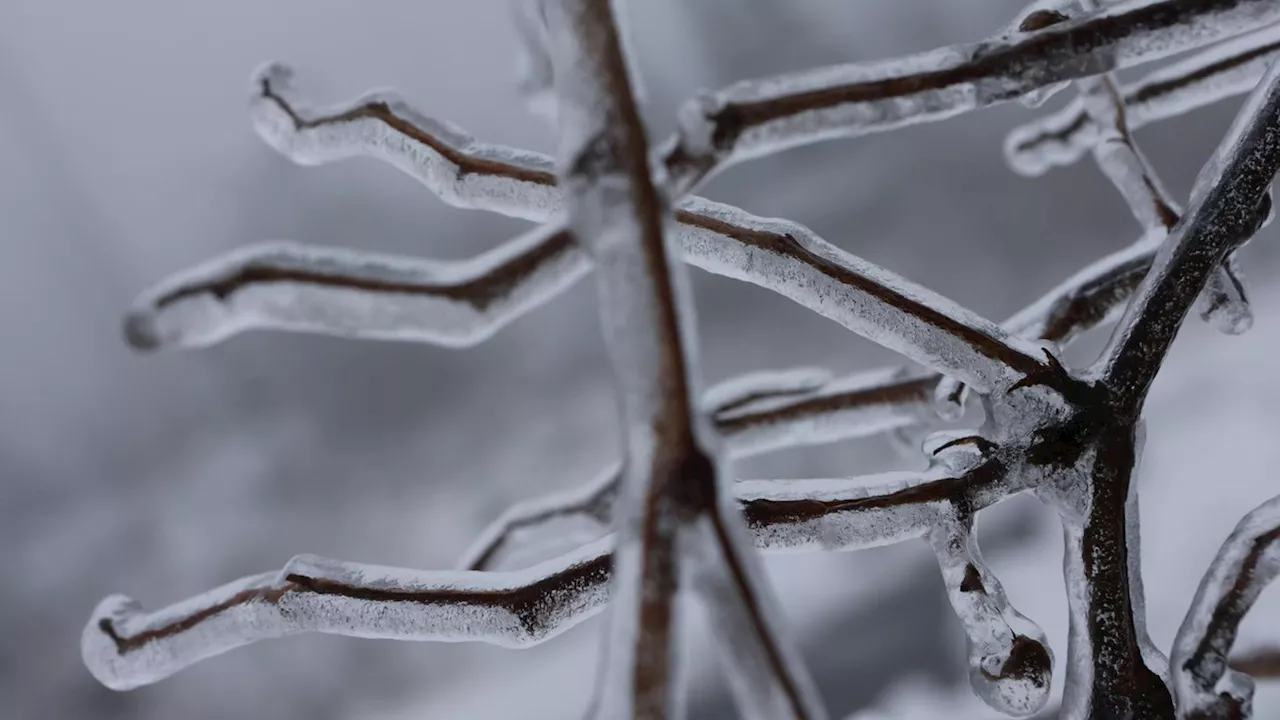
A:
{"x": 1225, "y": 70}
{"x": 459, "y": 170}
{"x": 346, "y": 293}
{"x": 126, "y": 648}
{"x": 537, "y": 522}
{"x": 866, "y": 299}
{"x": 762, "y": 385}
{"x": 862, "y": 512}
{"x": 855, "y": 406}
{"x": 760, "y": 117}
{"x": 1223, "y": 303}
{"x": 1009, "y": 670}
{"x": 1229, "y": 202}
{"x": 1247, "y": 562}
{"x": 715, "y": 237}
{"x": 673, "y": 474}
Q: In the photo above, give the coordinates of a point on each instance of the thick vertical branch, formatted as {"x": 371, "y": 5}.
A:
{"x": 671, "y": 479}
{"x": 1108, "y": 676}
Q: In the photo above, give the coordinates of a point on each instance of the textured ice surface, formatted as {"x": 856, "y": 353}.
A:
{"x": 1222, "y": 71}
{"x": 125, "y": 647}
{"x": 760, "y": 117}
{"x": 1247, "y": 563}
{"x": 346, "y": 293}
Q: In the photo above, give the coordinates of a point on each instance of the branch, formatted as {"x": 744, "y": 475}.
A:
{"x": 460, "y": 171}
{"x": 126, "y": 648}
{"x": 1231, "y": 68}
{"x": 782, "y": 256}
{"x": 672, "y": 479}
{"x": 1247, "y": 562}
{"x": 860, "y": 405}
{"x": 1228, "y": 204}
{"x": 345, "y": 293}
{"x": 1223, "y": 303}
{"x": 1008, "y": 668}
{"x": 761, "y": 117}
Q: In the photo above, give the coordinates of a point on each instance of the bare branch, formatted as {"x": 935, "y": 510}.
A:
{"x": 1228, "y": 205}
{"x": 345, "y": 293}
{"x": 1225, "y": 70}
{"x": 761, "y": 117}
{"x": 126, "y": 648}
{"x": 1247, "y": 562}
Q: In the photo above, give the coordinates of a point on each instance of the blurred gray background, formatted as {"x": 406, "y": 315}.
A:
{"x": 126, "y": 154}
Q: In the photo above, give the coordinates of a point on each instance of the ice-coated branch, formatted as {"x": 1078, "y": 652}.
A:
{"x": 760, "y": 117}
{"x": 461, "y": 171}
{"x": 1010, "y": 665}
{"x": 1205, "y": 686}
{"x": 345, "y": 293}
{"x": 1225, "y": 70}
{"x": 782, "y": 256}
{"x": 673, "y": 481}
{"x": 750, "y": 420}
{"x": 125, "y": 647}
{"x": 1228, "y": 204}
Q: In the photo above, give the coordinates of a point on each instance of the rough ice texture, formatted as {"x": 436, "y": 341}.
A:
{"x": 859, "y": 405}
{"x": 1009, "y": 670}
{"x": 125, "y": 647}
{"x": 1225, "y": 70}
{"x": 1221, "y": 216}
{"x": 459, "y": 170}
{"x": 779, "y": 255}
{"x": 760, "y": 117}
{"x": 346, "y": 293}
{"x": 1247, "y": 562}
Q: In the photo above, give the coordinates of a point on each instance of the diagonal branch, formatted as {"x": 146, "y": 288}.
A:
{"x": 1247, "y": 562}
{"x": 1228, "y": 204}
{"x": 760, "y": 117}
{"x": 1222, "y": 71}
{"x": 459, "y": 170}
{"x": 345, "y": 293}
